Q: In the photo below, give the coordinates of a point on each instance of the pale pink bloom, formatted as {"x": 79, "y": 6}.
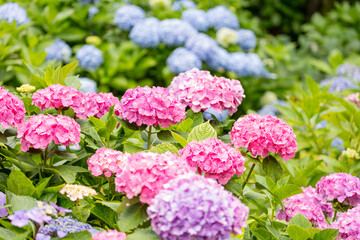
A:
{"x": 215, "y": 158}
{"x": 151, "y": 106}
{"x": 264, "y": 134}
{"x": 77, "y": 192}
{"x": 106, "y": 161}
{"x": 145, "y": 173}
{"x": 110, "y": 235}
{"x": 200, "y": 90}
{"x": 354, "y": 98}
{"x": 12, "y": 110}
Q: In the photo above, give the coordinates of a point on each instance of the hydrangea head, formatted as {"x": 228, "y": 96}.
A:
{"x": 58, "y": 51}
{"x": 202, "y": 45}
{"x": 12, "y": 109}
{"x": 182, "y": 60}
{"x": 197, "y": 18}
{"x": 175, "y": 32}
{"x": 87, "y": 85}
{"x": 246, "y": 39}
{"x": 127, "y": 16}
{"x": 221, "y": 16}
{"x": 11, "y": 12}
{"x": 146, "y": 33}
{"x": 110, "y": 235}
{"x": 89, "y": 57}
{"x": 226, "y": 36}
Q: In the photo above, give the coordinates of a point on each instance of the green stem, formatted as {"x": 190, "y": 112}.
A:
{"x": 68, "y": 148}
{"x": 149, "y": 138}
{"x": 248, "y": 176}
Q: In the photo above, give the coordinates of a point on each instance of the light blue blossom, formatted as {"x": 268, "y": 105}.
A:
{"x": 350, "y": 71}
{"x": 218, "y": 60}
{"x": 182, "y": 60}
{"x": 247, "y": 65}
{"x": 271, "y": 109}
{"x": 180, "y": 5}
{"x": 246, "y": 39}
{"x": 338, "y": 143}
{"x": 146, "y": 33}
{"x": 174, "y": 32}
{"x": 202, "y": 45}
{"x": 128, "y": 15}
{"x": 3, "y": 211}
{"x": 89, "y": 57}
{"x": 221, "y": 16}
{"x": 338, "y": 84}
{"x": 58, "y": 51}
{"x": 13, "y": 12}
{"x": 210, "y": 112}
{"x": 93, "y": 11}
{"x": 87, "y": 85}
{"x": 321, "y": 125}
{"x": 196, "y": 18}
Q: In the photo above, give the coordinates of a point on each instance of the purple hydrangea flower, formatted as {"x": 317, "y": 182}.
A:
{"x": 221, "y": 16}
{"x": 182, "y": 60}
{"x": 146, "y": 33}
{"x": 19, "y": 218}
{"x": 38, "y": 215}
{"x": 62, "y": 211}
{"x": 348, "y": 224}
{"x": 174, "y": 32}
{"x": 338, "y": 84}
{"x": 349, "y": 70}
{"x": 128, "y": 15}
{"x": 193, "y": 207}
{"x": 196, "y": 18}
{"x": 3, "y": 211}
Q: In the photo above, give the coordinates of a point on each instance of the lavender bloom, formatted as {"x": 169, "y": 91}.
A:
{"x": 180, "y": 5}
{"x": 210, "y": 112}
{"x": 40, "y": 236}
{"x": 127, "y": 16}
{"x": 58, "y": 51}
{"x": 93, "y": 11}
{"x": 196, "y": 18}
{"x": 246, "y": 39}
{"x": 146, "y": 33}
{"x": 182, "y": 60}
{"x": 202, "y": 45}
{"x": 13, "y": 12}
{"x": 218, "y": 60}
{"x": 37, "y": 215}
{"x": 174, "y": 32}
{"x": 193, "y": 207}
{"x": 90, "y": 57}
{"x": 338, "y": 84}
{"x": 221, "y": 16}
{"x": 348, "y": 224}
{"x": 3, "y": 211}
{"x": 349, "y": 70}
{"x": 62, "y": 211}
{"x": 19, "y": 218}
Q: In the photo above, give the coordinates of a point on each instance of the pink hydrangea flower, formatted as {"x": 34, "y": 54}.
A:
{"x": 110, "y": 235}
{"x": 106, "y": 161}
{"x": 145, "y": 173}
{"x": 348, "y": 224}
{"x": 354, "y": 98}
{"x": 151, "y": 106}
{"x": 310, "y": 194}
{"x": 40, "y": 130}
{"x": 57, "y": 96}
{"x": 12, "y": 110}
{"x": 217, "y": 159}
{"x": 104, "y": 101}
{"x": 200, "y": 91}
{"x": 264, "y": 134}
{"x": 342, "y": 187}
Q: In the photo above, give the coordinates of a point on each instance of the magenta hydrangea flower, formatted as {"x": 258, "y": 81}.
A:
{"x": 193, "y": 207}
{"x": 215, "y": 158}
{"x": 342, "y": 187}
{"x": 200, "y": 91}
{"x": 348, "y": 224}
{"x": 354, "y": 98}
{"x": 264, "y": 134}
{"x": 40, "y": 130}
{"x": 145, "y": 173}
{"x": 110, "y": 235}
{"x": 57, "y": 96}
{"x": 151, "y": 106}
{"x": 12, "y": 110}
{"x": 106, "y": 161}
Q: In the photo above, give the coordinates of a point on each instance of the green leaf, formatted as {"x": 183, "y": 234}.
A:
{"x": 272, "y": 168}
{"x": 248, "y": 193}
{"x": 202, "y": 132}
{"x": 20, "y": 202}
{"x": 234, "y": 187}
{"x": 72, "y": 81}
{"x": 6, "y": 234}
{"x": 66, "y": 70}
{"x": 335, "y": 58}
{"x": 41, "y": 186}
{"x": 179, "y": 138}
{"x": 142, "y": 234}
{"x": 106, "y": 214}
{"x": 322, "y": 66}
{"x": 97, "y": 122}
{"x": 132, "y": 217}
{"x": 301, "y": 221}
{"x": 185, "y": 125}
{"x": 68, "y": 173}
{"x": 287, "y": 191}
{"x": 313, "y": 86}
{"x": 63, "y": 15}
{"x": 297, "y": 232}
{"x": 327, "y": 234}
{"x": 85, "y": 235}
{"x": 34, "y": 70}
{"x": 163, "y": 148}
{"x": 19, "y": 184}
{"x": 132, "y": 126}
{"x": 82, "y": 212}
{"x": 28, "y": 105}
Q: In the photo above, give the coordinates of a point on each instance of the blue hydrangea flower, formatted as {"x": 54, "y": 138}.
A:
{"x": 349, "y": 70}
{"x": 174, "y": 32}
{"x": 90, "y": 57}
{"x": 196, "y": 18}
{"x": 321, "y": 125}
{"x": 338, "y": 143}
{"x": 180, "y": 5}
{"x": 255, "y": 66}
{"x": 86, "y": 2}
{"x": 338, "y": 84}
{"x": 221, "y": 16}
{"x": 87, "y": 85}
{"x": 146, "y": 33}
{"x": 58, "y": 51}
{"x": 246, "y": 65}
{"x": 210, "y": 112}
{"x": 182, "y": 60}
{"x": 246, "y": 39}
{"x": 202, "y": 45}
{"x": 13, "y": 12}
{"x": 93, "y": 11}
{"x": 128, "y": 15}
{"x": 218, "y": 60}
{"x": 270, "y": 109}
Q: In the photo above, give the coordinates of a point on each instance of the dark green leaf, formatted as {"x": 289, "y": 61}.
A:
{"x": 132, "y": 217}
{"x": 272, "y": 168}
{"x": 19, "y": 184}
{"x": 106, "y": 214}
{"x": 85, "y": 235}
{"x": 234, "y": 187}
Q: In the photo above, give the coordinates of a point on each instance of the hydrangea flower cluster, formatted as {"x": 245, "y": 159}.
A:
{"x": 151, "y": 106}
{"x": 58, "y": 51}
{"x": 338, "y": 84}
{"x": 182, "y": 60}
{"x": 355, "y": 98}
{"x": 62, "y": 226}
{"x": 215, "y": 158}
{"x": 348, "y": 224}
{"x": 89, "y": 57}
{"x": 196, "y": 18}
{"x": 264, "y": 134}
{"x": 40, "y": 130}
{"x": 13, "y": 12}
{"x": 146, "y": 33}
{"x": 93, "y": 11}
{"x": 246, "y": 39}
{"x": 106, "y": 161}
{"x": 77, "y": 192}
{"x": 145, "y": 173}
{"x": 12, "y": 110}
{"x": 192, "y": 207}
{"x": 3, "y": 211}
{"x": 174, "y": 32}
{"x": 350, "y": 71}
{"x": 210, "y": 112}
{"x": 226, "y": 36}
{"x": 110, "y": 235}
{"x": 221, "y": 16}
{"x": 200, "y": 91}
{"x": 57, "y": 96}
{"x": 179, "y": 5}
{"x": 342, "y": 187}
{"x": 26, "y": 88}
{"x": 246, "y": 64}
{"x": 87, "y": 85}
{"x": 127, "y": 16}
{"x": 202, "y": 45}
